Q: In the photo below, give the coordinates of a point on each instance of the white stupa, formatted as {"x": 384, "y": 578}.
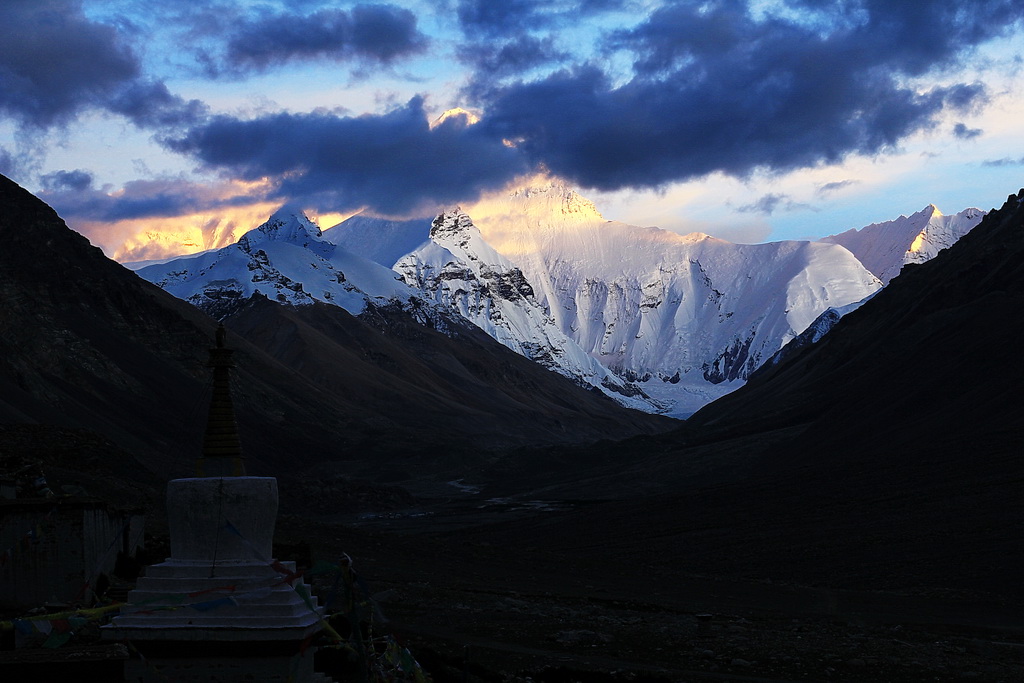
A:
{"x": 220, "y": 608}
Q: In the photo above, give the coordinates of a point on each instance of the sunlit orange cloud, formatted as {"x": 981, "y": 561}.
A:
{"x": 162, "y": 237}
{"x": 157, "y": 238}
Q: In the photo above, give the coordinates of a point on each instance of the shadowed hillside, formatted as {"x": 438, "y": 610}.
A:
{"x": 85, "y": 343}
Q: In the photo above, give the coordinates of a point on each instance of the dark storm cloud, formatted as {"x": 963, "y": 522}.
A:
{"x": 692, "y": 89}
{"x": 8, "y": 165}
{"x": 76, "y": 181}
{"x": 716, "y": 89}
{"x": 765, "y": 205}
{"x": 1005, "y": 161}
{"x": 504, "y": 18}
{"x": 514, "y": 57}
{"x": 72, "y": 195}
{"x": 961, "y": 131}
{"x": 392, "y": 163}
{"x": 21, "y": 164}
{"x": 55, "y": 62}
{"x": 501, "y": 18}
{"x": 379, "y": 33}
{"x": 152, "y": 105}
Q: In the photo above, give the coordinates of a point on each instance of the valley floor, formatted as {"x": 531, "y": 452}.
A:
{"x": 472, "y": 610}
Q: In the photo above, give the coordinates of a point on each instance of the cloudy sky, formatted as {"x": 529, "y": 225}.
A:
{"x": 149, "y": 125}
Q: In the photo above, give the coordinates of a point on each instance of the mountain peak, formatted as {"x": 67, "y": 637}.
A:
{"x": 288, "y": 210}
{"x": 923, "y": 214}
{"x": 884, "y": 248}
{"x": 289, "y": 223}
{"x": 468, "y": 118}
{"x": 450, "y": 221}
{"x": 555, "y": 198}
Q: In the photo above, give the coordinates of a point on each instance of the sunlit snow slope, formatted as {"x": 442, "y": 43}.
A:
{"x": 884, "y": 248}
{"x": 459, "y": 271}
{"x": 687, "y": 316}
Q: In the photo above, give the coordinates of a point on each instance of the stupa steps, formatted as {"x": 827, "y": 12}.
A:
{"x": 146, "y": 592}
{"x": 227, "y": 609}
{"x": 207, "y": 589}
{"x": 197, "y": 620}
{"x": 222, "y": 570}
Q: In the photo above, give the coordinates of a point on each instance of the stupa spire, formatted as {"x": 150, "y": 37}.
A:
{"x": 222, "y": 449}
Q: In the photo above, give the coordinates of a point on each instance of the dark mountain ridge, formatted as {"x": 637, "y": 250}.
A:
{"x": 852, "y": 514}
{"x": 85, "y": 343}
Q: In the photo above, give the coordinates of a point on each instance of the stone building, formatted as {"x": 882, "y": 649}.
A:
{"x": 54, "y": 550}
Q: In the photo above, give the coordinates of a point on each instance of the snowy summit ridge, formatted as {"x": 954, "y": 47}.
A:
{"x": 554, "y": 199}
{"x": 287, "y": 224}
{"x": 884, "y": 248}
{"x": 285, "y": 259}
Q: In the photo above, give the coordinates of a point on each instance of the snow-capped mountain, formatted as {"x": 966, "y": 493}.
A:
{"x": 287, "y": 260}
{"x": 688, "y": 317}
{"x": 658, "y": 320}
{"x": 316, "y": 385}
{"x": 459, "y": 271}
{"x": 380, "y": 240}
{"x": 884, "y": 248}
{"x": 685, "y": 318}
